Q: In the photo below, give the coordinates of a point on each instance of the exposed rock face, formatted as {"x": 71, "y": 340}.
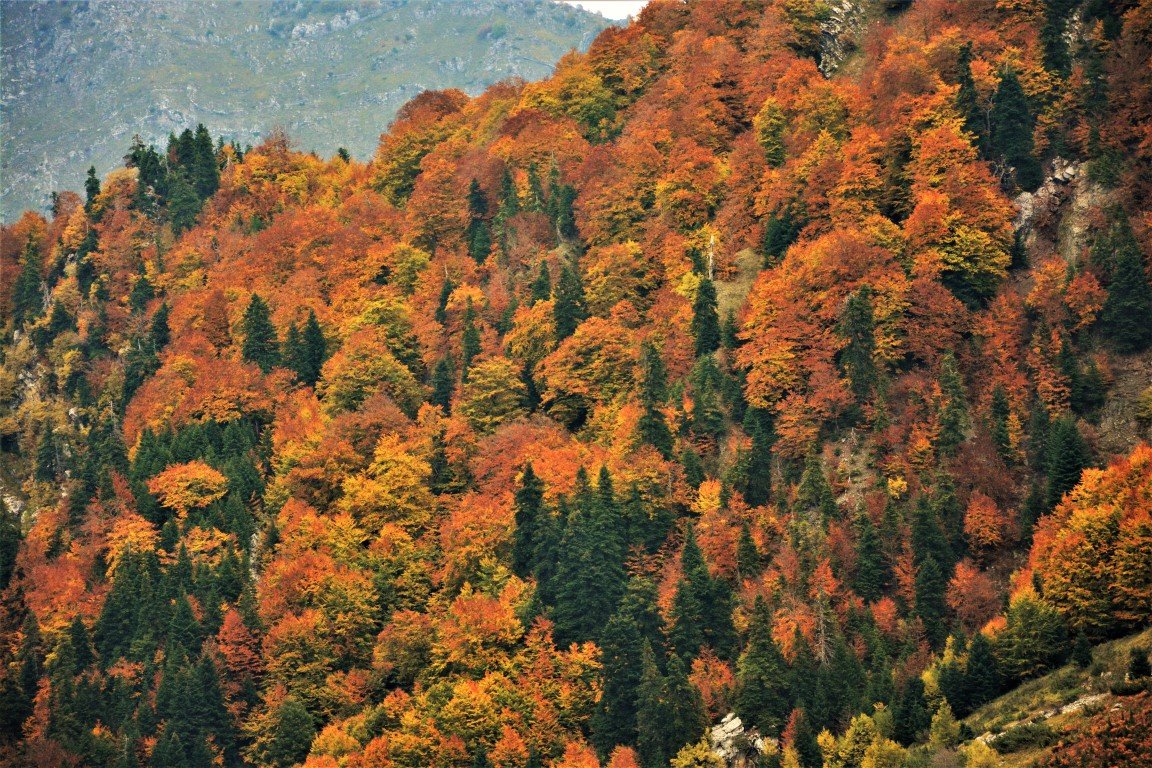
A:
{"x": 1059, "y": 215}
{"x": 839, "y": 32}
{"x": 736, "y": 746}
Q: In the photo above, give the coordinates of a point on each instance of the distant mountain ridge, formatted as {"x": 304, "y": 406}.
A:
{"x": 80, "y": 79}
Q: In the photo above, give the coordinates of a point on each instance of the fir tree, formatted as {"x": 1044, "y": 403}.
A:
{"x": 293, "y": 730}
{"x": 749, "y": 563}
{"x": 670, "y": 713}
{"x": 159, "y": 334}
{"x": 91, "y": 188}
{"x": 814, "y": 496}
{"x": 541, "y": 289}
{"x": 260, "y": 343}
{"x": 1000, "y": 413}
{"x": 478, "y": 233}
{"x": 141, "y": 294}
{"x": 1124, "y": 318}
{"x": 967, "y": 100}
{"x": 953, "y": 407}
{"x": 1066, "y": 460}
{"x": 205, "y": 169}
{"x": 763, "y": 695}
{"x": 470, "y": 340}
{"x": 910, "y": 715}
{"x": 930, "y": 587}
{"x": 653, "y": 426}
{"x": 1012, "y": 124}
{"x": 705, "y": 325}
{"x": 871, "y": 568}
{"x": 443, "y": 384}
{"x": 590, "y": 575}
{"x": 27, "y": 295}
{"x": 568, "y": 310}
{"x": 529, "y": 502}
{"x": 982, "y": 672}
{"x": 304, "y": 351}
{"x": 183, "y": 204}
{"x": 622, "y": 656}
{"x": 857, "y": 327}
{"x": 702, "y": 607}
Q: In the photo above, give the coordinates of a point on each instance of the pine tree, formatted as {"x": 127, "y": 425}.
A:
{"x": 314, "y": 350}
{"x": 758, "y": 484}
{"x": 670, "y": 712}
{"x": 27, "y": 295}
{"x": 749, "y": 563}
{"x": 1056, "y": 55}
{"x": 705, "y": 325}
{"x": 205, "y": 169}
{"x": 814, "y": 496}
{"x": 983, "y": 671}
{"x": 857, "y": 327}
{"x": 260, "y": 343}
{"x": 622, "y": 656}
{"x": 1124, "y": 318}
{"x": 91, "y": 188}
{"x": 568, "y": 311}
{"x": 1012, "y": 124}
{"x": 529, "y": 502}
{"x": 910, "y": 715}
{"x": 763, "y": 695}
{"x": 1067, "y": 458}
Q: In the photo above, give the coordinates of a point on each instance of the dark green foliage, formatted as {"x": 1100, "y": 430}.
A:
{"x": 1034, "y": 641}
{"x": 871, "y": 565}
{"x": 205, "y": 171}
{"x": 1012, "y": 123}
{"x": 529, "y": 503}
{"x": 260, "y": 343}
{"x": 857, "y": 327}
{"x": 780, "y": 231}
{"x": 470, "y": 340}
{"x": 749, "y": 563}
{"x": 693, "y": 470}
{"x": 1067, "y": 458}
{"x": 757, "y": 485}
{"x": 1138, "y": 665}
{"x": 1056, "y": 55}
{"x": 814, "y": 496}
{"x": 443, "y": 384}
{"x": 967, "y": 100}
{"x": 292, "y": 735}
{"x": 763, "y": 694}
{"x": 670, "y": 713}
{"x": 27, "y": 294}
{"x": 541, "y": 288}
{"x": 305, "y": 351}
{"x": 159, "y": 333}
{"x": 931, "y": 584}
{"x": 1000, "y": 413}
{"x": 622, "y": 654}
{"x": 1082, "y": 651}
{"x": 91, "y": 187}
{"x": 183, "y": 203}
{"x": 705, "y": 325}
{"x": 953, "y": 407}
{"x": 702, "y": 607}
{"x": 1124, "y": 318}
{"x": 707, "y": 384}
{"x": 478, "y": 235}
{"x": 141, "y": 294}
{"x": 569, "y": 310}
{"x": 910, "y": 714}
{"x": 653, "y": 426}
{"x": 590, "y": 575}
{"x": 9, "y": 544}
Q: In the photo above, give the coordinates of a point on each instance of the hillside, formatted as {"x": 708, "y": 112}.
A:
{"x": 766, "y": 386}
{"x": 80, "y": 79}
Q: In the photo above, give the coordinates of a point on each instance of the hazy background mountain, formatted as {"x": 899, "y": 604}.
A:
{"x": 80, "y": 78}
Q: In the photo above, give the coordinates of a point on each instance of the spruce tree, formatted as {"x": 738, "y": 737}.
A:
{"x": 749, "y": 563}
{"x": 478, "y": 234}
{"x": 953, "y": 407}
{"x": 857, "y": 327}
{"x": 314, "y": 349}
{"x": 568, "y": 310}
{"x": 443, "y": 384}
{"x": 27, "y": 295}
{"x": 930, "y": 607}
{"x": 670, "y": 712}
{"x": 1082, "y": 651}
{"x": 910, "y": 715}
{"x": 763, "y": 694}
{"x": 814, "y": 496}
{"x": 702, "y": 607}
{"x": 293, "y": 730}
{"x": 183, "y": 204}
{"x": 653, "y": 426}
{"x": 159, "y": 332}
{"x": 205, "y": 169}
{"x": 1124, "y": 318}
{"x": 1000, "y": 413}
{"x": 590, "y": 575}
{"x": 470, "y": 340}
{"x": 705, "y": 325}
{"x": 529, "y": 503}
{"x": 1012, "y": 123}
{"x": 871, "y": 568}
{"x": 141, "y": 294}
{"x": 622, "y": 657}
{"x": 541, "y": 289}
{"x": 1066, "y": 460}
{"x": 260, "y": 343}
{"x": 967, "y": 99}
{"x": 91, "y": 188}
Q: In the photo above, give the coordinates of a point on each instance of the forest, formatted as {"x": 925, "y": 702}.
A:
{"x": 708, "y": 375}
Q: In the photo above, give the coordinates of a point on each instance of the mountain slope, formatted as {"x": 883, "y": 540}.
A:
{"x": 79, "y": 79}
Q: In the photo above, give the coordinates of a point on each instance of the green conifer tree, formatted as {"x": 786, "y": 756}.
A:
{"x": 705, "y": 324}
{"x": 260, "y": 343}
{"x": 568, "y": 310}
{"x": 529, "y": 502}
{"x": 1012, "y": 122}
{"x": 1067, "y": 458}
{"x": 470, "y": 340}
{"x": 871, "y": 567}
{"x": 857, "y": 327}
{"x": 27, "y": 294}
{"x": 1124, "y": 318}
{"x": 91, "y": 187}
{"x": 763, "y": 695}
